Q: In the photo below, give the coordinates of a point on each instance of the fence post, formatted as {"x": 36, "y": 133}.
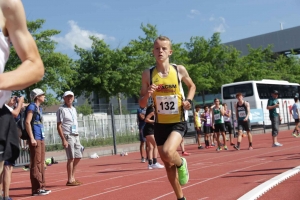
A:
{"x": 113, "y": 127}
{"x": 287, "y": 115}
{"x": 232, "y": 118}
{"x": 264, "y": 116}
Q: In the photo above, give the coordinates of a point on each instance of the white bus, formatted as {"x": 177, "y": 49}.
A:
{"x": 257, "y": 94}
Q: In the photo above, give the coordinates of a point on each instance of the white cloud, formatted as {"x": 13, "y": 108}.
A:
{"x": 79, "y": 37}
{"x": 193, "y": 13}
{"x": 220, "y": 24}
{"x": 220, "y": 28}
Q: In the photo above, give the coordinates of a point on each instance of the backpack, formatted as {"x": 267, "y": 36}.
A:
{"x": 22, "y": 120}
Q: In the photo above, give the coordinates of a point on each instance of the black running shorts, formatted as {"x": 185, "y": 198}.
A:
{"x": 162, "y": 131}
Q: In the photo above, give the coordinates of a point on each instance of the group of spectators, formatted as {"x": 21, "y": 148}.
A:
{"x": 67, "y": 127}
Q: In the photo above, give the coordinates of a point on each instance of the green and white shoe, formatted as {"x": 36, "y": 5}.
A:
{"x": 183, "y": 173}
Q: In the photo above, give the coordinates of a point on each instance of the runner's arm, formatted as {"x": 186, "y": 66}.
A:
{"x": 32, "y": 69}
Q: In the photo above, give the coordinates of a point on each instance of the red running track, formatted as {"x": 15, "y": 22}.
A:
{"x": 213, "y": 175}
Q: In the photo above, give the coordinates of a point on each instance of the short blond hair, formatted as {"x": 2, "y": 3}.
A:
{"x": 164, "y": 38}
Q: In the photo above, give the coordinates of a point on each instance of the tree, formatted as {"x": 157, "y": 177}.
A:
{"x": 107, "y": 72}
{"x": 257, "y": 65}
{"x": 211, "y": 64}
{"x": 59, "y": 68}
{"x": 85, "y": 108}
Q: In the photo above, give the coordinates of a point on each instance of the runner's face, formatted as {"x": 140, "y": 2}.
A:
{"x": 217, "y": 102}
{"x": 162, "y": 50}
{"x": 240, "y": 98}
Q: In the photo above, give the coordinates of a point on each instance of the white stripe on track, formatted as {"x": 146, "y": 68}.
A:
{"x": 264, "y": 187}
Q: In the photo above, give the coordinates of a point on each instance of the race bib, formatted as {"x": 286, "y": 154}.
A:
{"x": 242, "y": 114}
{"x": 208, "y": 121}
{"x": 217, "y": 116}
{"x": 277, "y": 110}
{"x": 226, "y": 118}
{"x": 73, "y": 129}
{"x": 167, "y": 105}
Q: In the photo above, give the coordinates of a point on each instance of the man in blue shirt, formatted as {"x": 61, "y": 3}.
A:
{"x": 295, "y": 112}
{"x": 273, "y": 107}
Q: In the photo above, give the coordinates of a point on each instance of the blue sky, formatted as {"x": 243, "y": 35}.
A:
{"x": 119, "y": 21}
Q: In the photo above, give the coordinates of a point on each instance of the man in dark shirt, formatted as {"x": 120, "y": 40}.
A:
{"x": 273, "y": 107}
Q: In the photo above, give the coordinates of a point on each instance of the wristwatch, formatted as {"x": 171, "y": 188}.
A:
{"x": 189, "y": 100}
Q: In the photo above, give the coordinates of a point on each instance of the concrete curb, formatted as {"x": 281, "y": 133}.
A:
{"x": 266, "y": 186}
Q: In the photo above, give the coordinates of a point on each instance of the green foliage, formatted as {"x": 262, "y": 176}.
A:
{"x": 85, "y": 108}
{"x": 211, "y": 64}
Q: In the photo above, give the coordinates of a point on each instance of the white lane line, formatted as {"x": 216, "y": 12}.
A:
{"x": 264, "y": 187}
{"x": 112, "y": 187}
{"x": 208, "y": 180}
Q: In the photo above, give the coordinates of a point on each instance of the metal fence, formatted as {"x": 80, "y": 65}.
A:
{"x": 98, "y": 125}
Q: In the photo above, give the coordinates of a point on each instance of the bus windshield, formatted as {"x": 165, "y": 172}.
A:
{"x": 229, "y": 92}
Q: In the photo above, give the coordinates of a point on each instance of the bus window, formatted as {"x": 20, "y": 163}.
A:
{"x": 229, "y": 92}
{"x": 285, "y": 91}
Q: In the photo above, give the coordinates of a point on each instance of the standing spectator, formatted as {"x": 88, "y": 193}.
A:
{"x": 67, "y": 127}
{"x": 148, "y": 131}
{"x": 141, "y": 123}
{"x": 207, "y": 129}
{"x": 218, "y": 123}
{"x": 14, "y": 105}
{"x": 242, "y": 110}
{"x": 273, "y": 107}
{"x": 13, "y": 30}
{"x": 36, "y": 142}
{"x": 228, "y": 125}
{"x": 295, "y": 112}
{"x": 197, "y": 119}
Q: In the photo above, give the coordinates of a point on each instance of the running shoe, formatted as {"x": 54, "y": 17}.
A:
{"x": 206, "y": 147}
{"x": 183, "y": 173}
{"x": 236, "y": 147}
{"x": 157, "y": 166}
{"x": 277, "y": 144}
{"x": 250, "y": 148}
{"x": 200, "y": 147}
{"x": 219, "y": 149}
{"x": 40, "y": 193}
{"x": 294, "y": 134}
{"x": 185, "y": 153}
{"x": 212, "y": 144}
{"x": 225, "y": 147}
{"x": 143, "y": 160}
{"x": 150, "y": 167}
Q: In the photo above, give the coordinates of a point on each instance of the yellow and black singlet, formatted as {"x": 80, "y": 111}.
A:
{"x": 168, "y": 96}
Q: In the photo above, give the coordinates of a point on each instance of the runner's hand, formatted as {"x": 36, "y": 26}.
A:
{"x": 151, "y": 89}
{"x": 186, "y": 105}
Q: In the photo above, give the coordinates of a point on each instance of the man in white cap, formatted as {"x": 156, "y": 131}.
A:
{"x": 67, "y": 127}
